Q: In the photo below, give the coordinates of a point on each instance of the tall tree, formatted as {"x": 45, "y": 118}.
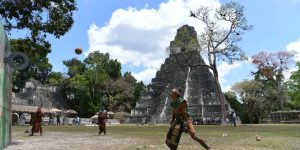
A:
{"x": 257, "y": 100}
{"x": 40, "y": 17}
{"x": 119, "y": 93}
{"x": 137, "y": 86}
{"x": 219, "y": 41}
{"x": 270, "y": 68}
{"x": 103, "y": 62}
{"x": 95, "y": 83}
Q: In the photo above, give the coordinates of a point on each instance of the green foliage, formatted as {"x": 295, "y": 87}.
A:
{"x": 40, "y": 17}
{"x": 100, "y": 61}
{"x": 138, "y": 87}
{"x": 75, "y": 66}
{"x": 269, "y": 70}
{"x": 96, "y": 83}
{"x": 113, "y": 69}
{"x": 258, "y": 99}
{"x": 294, "y": 86}
{"x": 237, "y": 106}
{"x": 55, "y": 78}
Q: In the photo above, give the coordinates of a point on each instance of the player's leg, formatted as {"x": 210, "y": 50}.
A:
{"x": 41, "y": 129}
{"x": 192, "y": 133}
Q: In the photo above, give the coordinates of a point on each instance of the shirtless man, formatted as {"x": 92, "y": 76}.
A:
{"x": 180, "y": 116}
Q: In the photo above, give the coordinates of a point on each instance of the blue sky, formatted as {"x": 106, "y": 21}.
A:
{"x": 136, "y": 32}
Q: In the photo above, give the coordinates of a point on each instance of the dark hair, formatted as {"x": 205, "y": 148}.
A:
{"x": 180, "y": 90}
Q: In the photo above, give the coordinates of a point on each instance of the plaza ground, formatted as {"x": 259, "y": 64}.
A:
{"x": 152, "y": 137}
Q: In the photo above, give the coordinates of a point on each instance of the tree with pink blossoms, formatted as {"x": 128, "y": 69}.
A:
{"x": 270, "y": 68}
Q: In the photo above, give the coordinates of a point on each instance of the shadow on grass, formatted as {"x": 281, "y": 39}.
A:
{"x": 16, "y": 143}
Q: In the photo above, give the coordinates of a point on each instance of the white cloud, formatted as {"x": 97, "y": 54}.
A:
{"x": 224, "y": 69}
{"x": 226, "y": 88}
{"x": 138, "y": 37}
{"x": 293, "y": 47}
{"x": 144, "y": 75}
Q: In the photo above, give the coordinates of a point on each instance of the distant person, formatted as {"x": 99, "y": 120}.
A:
{"x": 102, "y": 118}
{"x": 57, "y": 120}
{"x": 233, "y": 117}
{"x": 74, "y": 121}
{"x": 37, "y": 122}
{"x": 51, "y": 121}
{"x": 181, "y": 122}
{"x": 77, "y": 121}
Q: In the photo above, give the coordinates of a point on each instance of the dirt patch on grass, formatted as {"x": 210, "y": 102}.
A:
{"x": 69, "y": 141}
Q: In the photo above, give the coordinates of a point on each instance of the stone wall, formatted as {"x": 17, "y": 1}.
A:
{"x": 5, "y": 92}
{"x": 36, "y": 94}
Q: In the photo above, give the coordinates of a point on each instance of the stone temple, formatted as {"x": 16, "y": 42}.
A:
{"x": 183, "y": 68}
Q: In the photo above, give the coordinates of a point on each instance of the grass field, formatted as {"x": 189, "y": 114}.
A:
{"x": 127, "y": 137}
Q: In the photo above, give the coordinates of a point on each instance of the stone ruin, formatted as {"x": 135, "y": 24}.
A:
{"x": 181, "y": 69}
{"x": 36, "y": 94}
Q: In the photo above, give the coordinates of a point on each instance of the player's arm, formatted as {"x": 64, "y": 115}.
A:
{"x": 184, "y": 109}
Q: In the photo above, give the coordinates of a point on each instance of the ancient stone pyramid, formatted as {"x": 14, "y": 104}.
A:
{"x": 181, "y": 69}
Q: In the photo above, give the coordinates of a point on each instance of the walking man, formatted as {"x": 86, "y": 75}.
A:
{"x": 102, "y": 117}
{"x": 37, "y": 122}
{"x": 181, "y": 122}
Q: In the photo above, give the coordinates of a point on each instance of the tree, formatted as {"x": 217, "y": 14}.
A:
{"x": 75, "y": 66}
{"x": 257, "y": 100}
{"x": 40, "y": 17}
{"x": 137, "y": 86}
{"x": 119, "y": 92}
{"x": 113, "y": 69}
{"x": 103, "y": 62}
{"x": 294, "y": 86}
{"x": 96, "y": 83}
{"x": 270, "y": 68}
{"x": 219, "y": 42}
{"x": 55, "y": 78}
{"x": 237, "y": 106}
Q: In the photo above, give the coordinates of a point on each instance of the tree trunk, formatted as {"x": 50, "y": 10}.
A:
{"x": 280, "y": 95}
{"x": 279, "y": 78}
{"x": 221, "y": 96}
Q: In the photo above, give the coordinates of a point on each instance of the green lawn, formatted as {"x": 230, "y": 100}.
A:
{"x": 280, "y": 137}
